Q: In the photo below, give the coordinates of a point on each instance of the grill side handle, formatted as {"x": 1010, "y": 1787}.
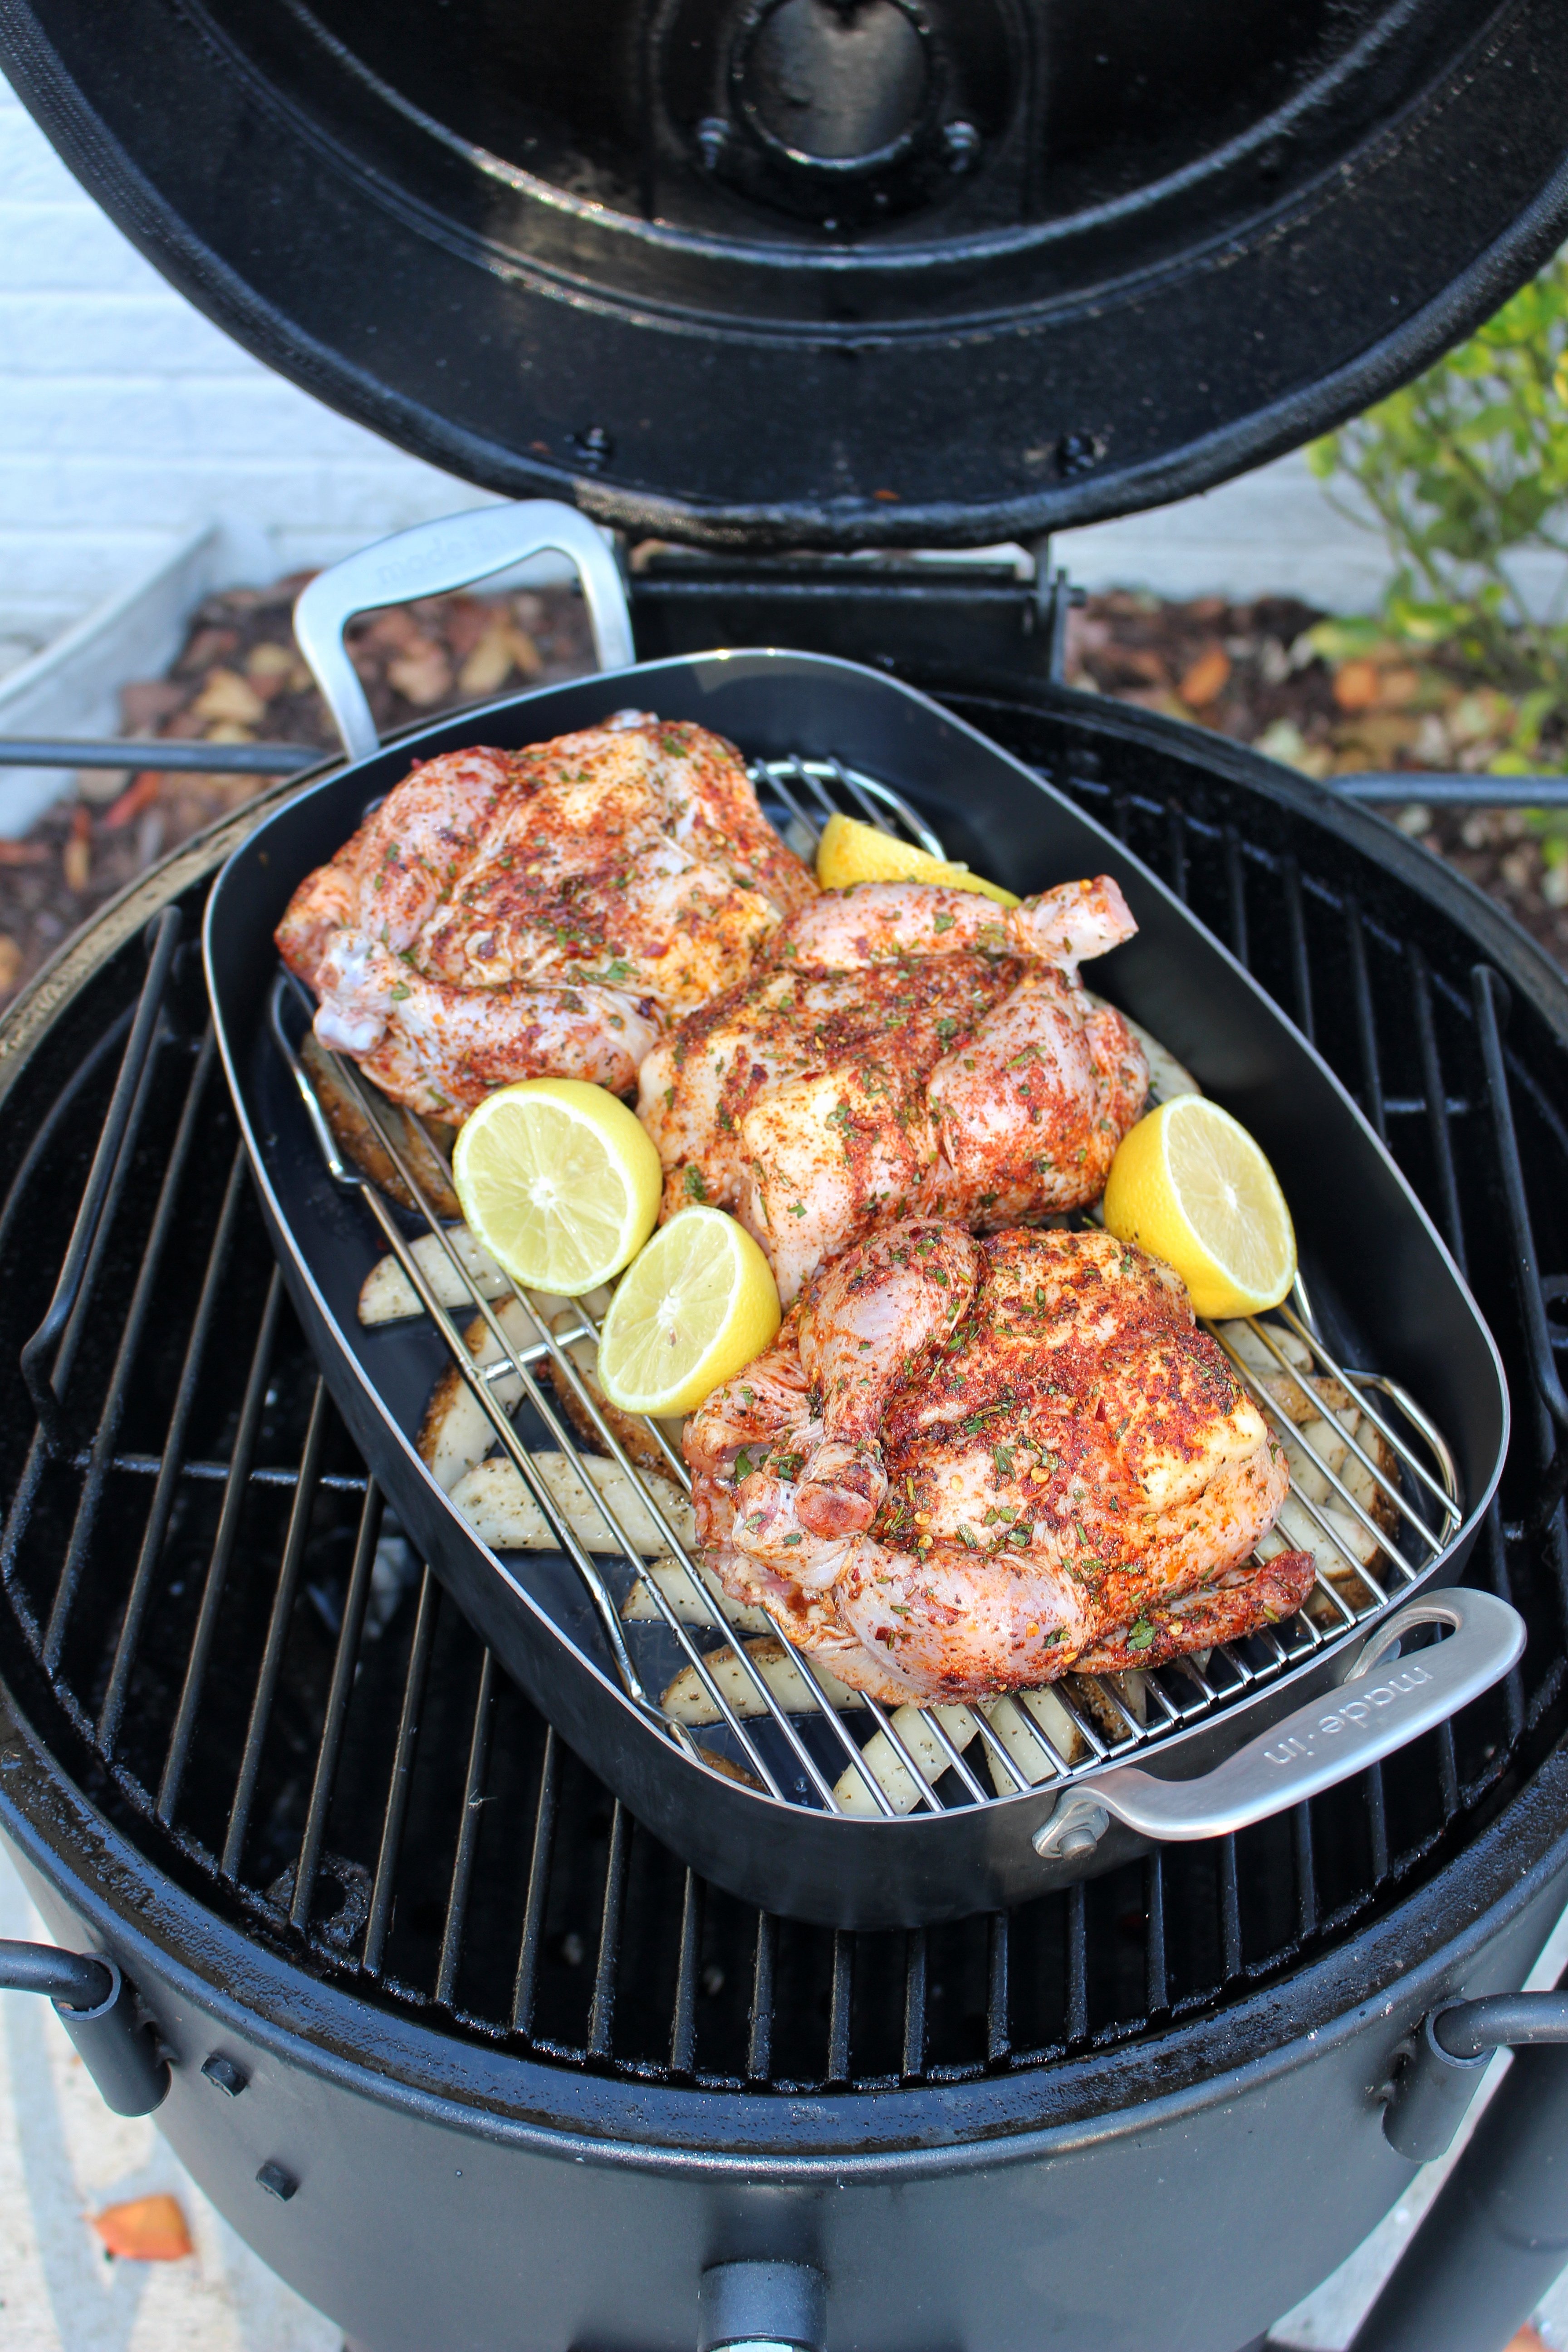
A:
{"x": 1383, "y": 1701}
{"x": 435, "y": 557}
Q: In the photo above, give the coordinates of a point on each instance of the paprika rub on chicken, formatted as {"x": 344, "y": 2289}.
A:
{"x": 542, "y": 913}
{"x": 969, "y": 1466}
{"x": 900, "y": 1049}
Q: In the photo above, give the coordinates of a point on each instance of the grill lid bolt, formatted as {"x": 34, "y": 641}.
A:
{"x": 712, "y": 136}
{"x": 1074, "y": 1828}
{"x": 961, "y": 144}
{"x": 230, "y": 2078}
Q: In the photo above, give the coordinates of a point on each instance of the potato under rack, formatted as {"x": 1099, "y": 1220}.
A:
{"x": 1361, "y": 1492}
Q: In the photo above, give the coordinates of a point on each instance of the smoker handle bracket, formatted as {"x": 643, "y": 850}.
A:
{"x": 431, "y": 560}
{"x": 1438, "y": 2078}
{"x": 1377, "y": 1709}
{"x": 99, "y": 2010}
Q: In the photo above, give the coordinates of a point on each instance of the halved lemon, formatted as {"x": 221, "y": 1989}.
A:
{"x": 1189, "y": 1186}
{"x": 852, "y": 852}
{"x": 687, "y": 1314}
{"x": 559, "y": 1181}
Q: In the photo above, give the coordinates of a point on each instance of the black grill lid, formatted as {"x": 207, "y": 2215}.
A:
{"x": 827, "y": 272}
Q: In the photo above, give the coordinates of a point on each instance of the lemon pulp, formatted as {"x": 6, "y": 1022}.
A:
{"x": 687, "y": 1314}
{"x": 1189, "y": 1186}
{"x": 558, "y": 1180}
{"x": 852, "y": 852}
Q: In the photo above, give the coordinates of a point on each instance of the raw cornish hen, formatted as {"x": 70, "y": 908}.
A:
{"x": 540, "y": 913}
{"x": 901, "y": 1049}
{"x": 968, "y": 1466}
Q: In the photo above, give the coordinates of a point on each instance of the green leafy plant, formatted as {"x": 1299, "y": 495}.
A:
{"x": 1464, "y": 471}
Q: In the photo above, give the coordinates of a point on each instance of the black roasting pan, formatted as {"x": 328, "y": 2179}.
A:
{"x": 1386, "y": 1292}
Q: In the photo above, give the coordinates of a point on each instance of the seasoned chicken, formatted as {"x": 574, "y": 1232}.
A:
{"x": 970, "y": 1467}
{"x": 901, "y": 1049}
{"x": 540, "y": 913}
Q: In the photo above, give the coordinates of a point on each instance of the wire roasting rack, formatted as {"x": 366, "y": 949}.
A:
{"x": 1374, "y": 1493}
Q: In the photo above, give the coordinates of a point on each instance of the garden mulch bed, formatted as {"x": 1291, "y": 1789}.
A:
{"x": 1275, "y": 674}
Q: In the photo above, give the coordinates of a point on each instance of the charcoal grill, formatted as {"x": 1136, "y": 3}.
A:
{"x": 453, "y": 2041}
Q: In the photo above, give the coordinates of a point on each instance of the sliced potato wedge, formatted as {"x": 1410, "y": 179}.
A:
{"x": 676, "y": 1586}
{"x": 892, "y": 1775}
{"x": 457, "y": 1432}
{"x": 386, "y": 1295}
{"x": 504, "y": 1515}
{"x": 688, "y": 1701}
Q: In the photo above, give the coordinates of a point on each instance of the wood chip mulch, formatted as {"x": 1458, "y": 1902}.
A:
{"x": 1276, "y": 674}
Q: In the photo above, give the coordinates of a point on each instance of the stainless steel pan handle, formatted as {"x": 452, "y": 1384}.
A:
{"x": 430, "y": 560}
{"x": 1378, "y": 1709}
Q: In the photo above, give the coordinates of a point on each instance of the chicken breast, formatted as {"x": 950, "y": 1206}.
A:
{"x": 901, "y": 1050}
{"x": 540, "y": 913}
{"x": 968, "y": 1466}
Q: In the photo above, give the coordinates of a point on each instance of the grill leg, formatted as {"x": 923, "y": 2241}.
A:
{"x": 1497, "y": 2234}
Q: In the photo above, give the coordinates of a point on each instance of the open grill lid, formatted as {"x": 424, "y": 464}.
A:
{"x": 828, "y": 272}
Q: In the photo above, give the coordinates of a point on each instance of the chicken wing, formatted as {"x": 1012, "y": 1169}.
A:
{"x": 546, "y": 912}
{"x": 968, "y": 1466}
{"x": 900, "y": 1049}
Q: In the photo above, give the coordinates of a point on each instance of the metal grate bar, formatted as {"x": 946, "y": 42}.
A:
{"x": 1176, "y": 848}
{"x": 468, "y": 1834}
{"x": 166, "y": 1488}
{"x": 344, "y": 1660}
{"x": 1075, "y": 2022}
{"x": 525, "y": 1984}
{"x": 1236, "y": 886}
{"x": 179, "y": 1748}
{"x": 400, "y": 1780}
{"x": 276, "y": 1634}
{"x": 759, "y": 2029}
{"x": 1301, "y": 962}
{"x": 1229, "y": 1908}
{"x": 998, "y": 2037}
{"x": 1436, "y": 1104}
{"x": 1305, "y": 1870}
{"x": 1156, "y": 1992}
{"x": 65, "y": 1318}
{"x": 840, "y": 2004}
{"x": 607, "y": 1963}
{"x": 913, "y": 2060}
{"x": 683, "y": 2025}
{"x": 1365, "y": 1019}
{"x": 112, "y": 1409}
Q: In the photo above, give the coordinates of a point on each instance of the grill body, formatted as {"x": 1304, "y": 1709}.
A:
{"x": 451, "y": 2202}
{"x": 522, "y": 2076}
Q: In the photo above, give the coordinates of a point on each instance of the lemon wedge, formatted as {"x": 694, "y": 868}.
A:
{"x": 689, "y": 1314}
{"x": 1189, "y": 1186}
{"x": 559, "y": 1181}
{"x": 852, "y": 852}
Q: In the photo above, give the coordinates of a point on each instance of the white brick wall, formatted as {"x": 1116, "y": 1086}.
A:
{"x": 127, "y": 420}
